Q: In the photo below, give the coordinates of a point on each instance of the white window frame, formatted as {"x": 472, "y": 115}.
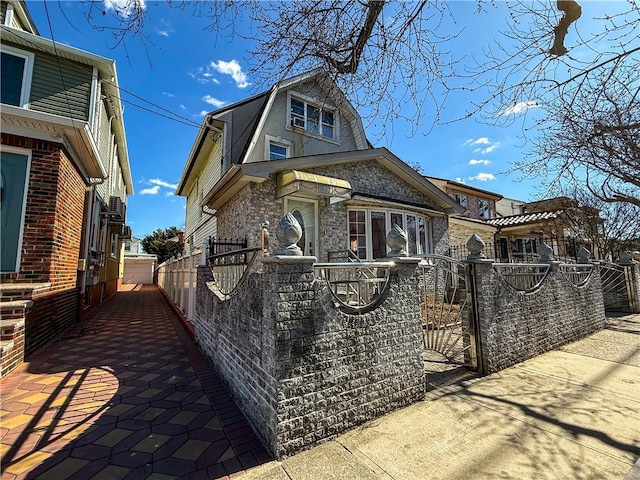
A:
{"x": 388, "y": 212}
{"x": 320, "y": 106}
{"x": 279, "y": 141}
{"x": 27, "y": 73}
{"x": 114, "y": 245}
{"x": 27, "y": 153}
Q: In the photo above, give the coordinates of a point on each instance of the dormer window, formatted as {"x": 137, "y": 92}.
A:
{"x": 312, "y": 118}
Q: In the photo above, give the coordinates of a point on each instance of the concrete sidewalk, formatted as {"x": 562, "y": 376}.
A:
{"x": 573, "y": 413}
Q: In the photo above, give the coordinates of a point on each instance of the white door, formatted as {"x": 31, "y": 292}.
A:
{"x": 305, "y": 212}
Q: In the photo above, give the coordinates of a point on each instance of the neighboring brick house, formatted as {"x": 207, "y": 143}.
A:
{"x": 65, "y": 181}
{"x": 301, "y": 148}
{"x": 479, "y": 205}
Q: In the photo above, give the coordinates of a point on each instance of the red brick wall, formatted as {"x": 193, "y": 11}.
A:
{"x": 51, "y": 239}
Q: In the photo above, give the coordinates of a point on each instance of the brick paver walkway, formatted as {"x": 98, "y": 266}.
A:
{"x": 127, "y": 396}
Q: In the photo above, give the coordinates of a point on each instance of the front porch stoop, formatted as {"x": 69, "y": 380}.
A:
{"x": 15, "y": 301}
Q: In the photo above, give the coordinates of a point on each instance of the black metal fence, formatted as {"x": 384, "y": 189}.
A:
{"x": 525, "y": 250}
{"x": 461, "y": 252}
{"x": 217, "y": 246}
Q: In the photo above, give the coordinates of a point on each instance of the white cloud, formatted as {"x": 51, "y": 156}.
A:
{"x": 214, "y": 101}
{"x": 163, "y": 33}
{"x": 169, "y": 194}
{"x": 489, "y": 149}
{"x": 124, "y": 7}
{"x": 482, "y": 177}
{"x": 203, "y": 113}
{"x": 520, "y": 107}
{"x": 232, "y": 68}
{"x": 183, "y": 107}
{"x": 150, "y": 191}
{"x": 162, "y": 183}
{"x": 479, "y": 141}
{"x": 168, "y": 94}
{"x": 460, "y": 180}
{"x": 474, "y": 161}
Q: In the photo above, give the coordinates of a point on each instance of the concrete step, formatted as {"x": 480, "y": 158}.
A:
{"x": 20, "y": 291}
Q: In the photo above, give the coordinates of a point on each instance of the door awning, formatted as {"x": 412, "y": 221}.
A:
{"x": 296, "y": 181}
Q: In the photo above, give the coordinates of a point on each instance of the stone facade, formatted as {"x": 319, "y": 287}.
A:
{"x": 241, "y": 216}
{"x": 515, "y": 326}
{"x": 301, "y": 370}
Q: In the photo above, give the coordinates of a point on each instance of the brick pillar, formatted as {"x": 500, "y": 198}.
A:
{"x": 335, "y": 370}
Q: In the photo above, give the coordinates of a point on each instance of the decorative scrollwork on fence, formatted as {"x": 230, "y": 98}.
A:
{"x": 231, "y": 269}
{"x": 355, "y": 286}
{"x": 523, "y": 277}
{"x": 577, "y": 274}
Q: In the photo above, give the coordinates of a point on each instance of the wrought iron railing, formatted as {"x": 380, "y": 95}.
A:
{"x": 616, "y": 286}
{"x": 230, "y": 269}
{"x": 355, "y": 286}
{"x": 576, "y": 273}
{"x": 524, "y": 277}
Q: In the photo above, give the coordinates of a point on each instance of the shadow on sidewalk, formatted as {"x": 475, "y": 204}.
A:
{"x": 126, "y": 396}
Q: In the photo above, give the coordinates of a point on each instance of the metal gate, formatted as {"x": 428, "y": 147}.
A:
{"x": 445, "y": 304}
{"x": 616, "y": 287}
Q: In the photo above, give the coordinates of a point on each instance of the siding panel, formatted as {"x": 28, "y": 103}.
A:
{"x": 61, "y": 88}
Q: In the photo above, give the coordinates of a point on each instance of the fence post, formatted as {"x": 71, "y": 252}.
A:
{"x": 203, "y": 253}
{"x": 478, "y": 271}
{"x": 632, "y": 280}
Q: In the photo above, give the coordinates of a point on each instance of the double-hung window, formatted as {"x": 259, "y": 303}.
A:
{"x": 312, "y": 118}
{"x": 276, "y": 148}
{"x": 16, "y": 67}
{"x": 368, "y": 230}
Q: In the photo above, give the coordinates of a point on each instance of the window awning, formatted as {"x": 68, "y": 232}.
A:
{"x": 296, "y": 181}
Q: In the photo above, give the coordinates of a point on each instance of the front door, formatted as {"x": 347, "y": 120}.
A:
{"x": 13, "y": 185}
{"x": 305, "y": 212}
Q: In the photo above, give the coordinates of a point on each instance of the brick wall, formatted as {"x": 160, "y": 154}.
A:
{"x": 301, "y": 370}
{"x": 515, "y": 326}
{"x": 460, "y": 232}
{"x": 51, "y": 240}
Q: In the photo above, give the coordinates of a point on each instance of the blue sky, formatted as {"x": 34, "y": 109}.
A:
{"x": 184, "y": 71}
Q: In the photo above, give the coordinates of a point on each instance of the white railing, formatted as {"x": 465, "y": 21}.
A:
{"x": 178, "y": 279}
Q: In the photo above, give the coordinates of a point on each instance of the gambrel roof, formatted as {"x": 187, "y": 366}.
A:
{"x": 255, "y": 110}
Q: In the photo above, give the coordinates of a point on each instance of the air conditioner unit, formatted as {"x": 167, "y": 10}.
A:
{"x": 126, "y": 232}
{"x": 117, "y": 209}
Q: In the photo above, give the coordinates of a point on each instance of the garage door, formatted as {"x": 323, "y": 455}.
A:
{"x": 138, "y": 271}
